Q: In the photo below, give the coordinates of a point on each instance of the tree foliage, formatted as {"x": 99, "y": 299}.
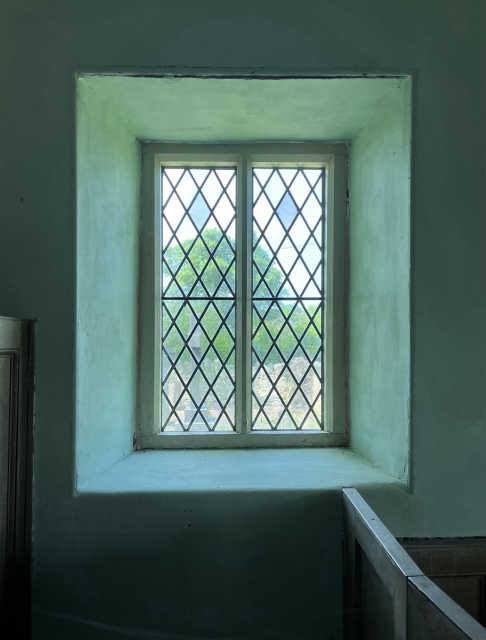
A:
{"x": 211, "y": 255}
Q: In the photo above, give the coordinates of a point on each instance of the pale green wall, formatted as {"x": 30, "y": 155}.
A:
{"x": 242, "y": 110}
{"x": 379, "y": 299}
{"x": 108, "y": 210}
{"x": 126, "y": 560}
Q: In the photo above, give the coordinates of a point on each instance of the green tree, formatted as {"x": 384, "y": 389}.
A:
{"x": 212, "y": 244}
{"x": 210, "y": 251}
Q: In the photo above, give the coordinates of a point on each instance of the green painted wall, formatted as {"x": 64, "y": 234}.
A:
{"x": 108, "y": 209}
{"x": 240, "y": 109}
{"x": 125, "y": 561}
{"x": 379, "y": 299}
{"x": 194, "y": 565}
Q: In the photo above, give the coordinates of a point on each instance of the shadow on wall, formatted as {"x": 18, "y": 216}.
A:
{"x": 240, "y": 565}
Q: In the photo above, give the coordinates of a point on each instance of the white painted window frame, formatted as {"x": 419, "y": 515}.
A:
{"x": 333, "y": 157}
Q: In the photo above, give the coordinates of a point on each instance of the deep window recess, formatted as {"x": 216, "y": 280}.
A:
{"x": 241, "y": 331}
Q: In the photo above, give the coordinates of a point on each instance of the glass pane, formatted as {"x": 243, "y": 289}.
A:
{"x": 198, "y": 302}
{"x": 287, "y": 341}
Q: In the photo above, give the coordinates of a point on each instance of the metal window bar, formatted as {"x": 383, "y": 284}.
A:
{"x": 196, "y": 367}
{"x": 285, "y": 214}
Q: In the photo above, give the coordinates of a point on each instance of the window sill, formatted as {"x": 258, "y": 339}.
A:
{"x": 234, "y": 440}
{"x": 238, "y": 470}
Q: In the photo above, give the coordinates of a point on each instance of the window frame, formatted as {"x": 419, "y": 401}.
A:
{"x": 334, "y": 158}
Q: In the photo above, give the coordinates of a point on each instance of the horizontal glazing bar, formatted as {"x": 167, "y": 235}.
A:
{"x": 203, "y": 298}
{"x": 281, "y": 299}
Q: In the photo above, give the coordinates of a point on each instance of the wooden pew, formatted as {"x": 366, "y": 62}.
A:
{"x": 386, "y": 595}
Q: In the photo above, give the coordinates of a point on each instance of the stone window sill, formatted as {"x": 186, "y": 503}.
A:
{"x": 238, "y": 470}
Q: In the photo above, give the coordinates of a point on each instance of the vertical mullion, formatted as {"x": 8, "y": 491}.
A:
{"x": 243, "y": 296}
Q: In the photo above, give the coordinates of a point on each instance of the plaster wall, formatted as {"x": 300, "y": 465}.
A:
{"x": 108, "y": 201}
{"x": 121, "y": 561}
{"x": 379, "y": 296}
{"x": 209, "y": 110}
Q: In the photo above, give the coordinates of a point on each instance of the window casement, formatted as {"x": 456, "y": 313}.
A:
{"x": 242, "y": 301}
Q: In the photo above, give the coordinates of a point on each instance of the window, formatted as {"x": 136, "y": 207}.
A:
{"x": 242, "y": 295}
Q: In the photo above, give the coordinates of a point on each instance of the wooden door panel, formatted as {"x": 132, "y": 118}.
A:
{"x": 16, "y": 453}
{"x": 5, "y": 413}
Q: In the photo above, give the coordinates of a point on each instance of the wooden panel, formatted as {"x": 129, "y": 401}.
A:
{"x": 391, "y": 563}
{"x": 457, "y": 566}
{"x": 16, "y": 452}
{"x": 465, "y": 590}
{"x": 417, "y": 625}
{"x": 6, "y": 371}
{"x": 377, "y": 619}
{"x": 447, "y": 556}
{"x": 386, "y": 595}
{"x": 432, "y": 615}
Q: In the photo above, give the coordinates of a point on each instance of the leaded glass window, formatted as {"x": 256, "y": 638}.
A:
{"x": 287, "y": 308}
{"x": 198, "y": 299}
{"x": 242, "y": 296}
